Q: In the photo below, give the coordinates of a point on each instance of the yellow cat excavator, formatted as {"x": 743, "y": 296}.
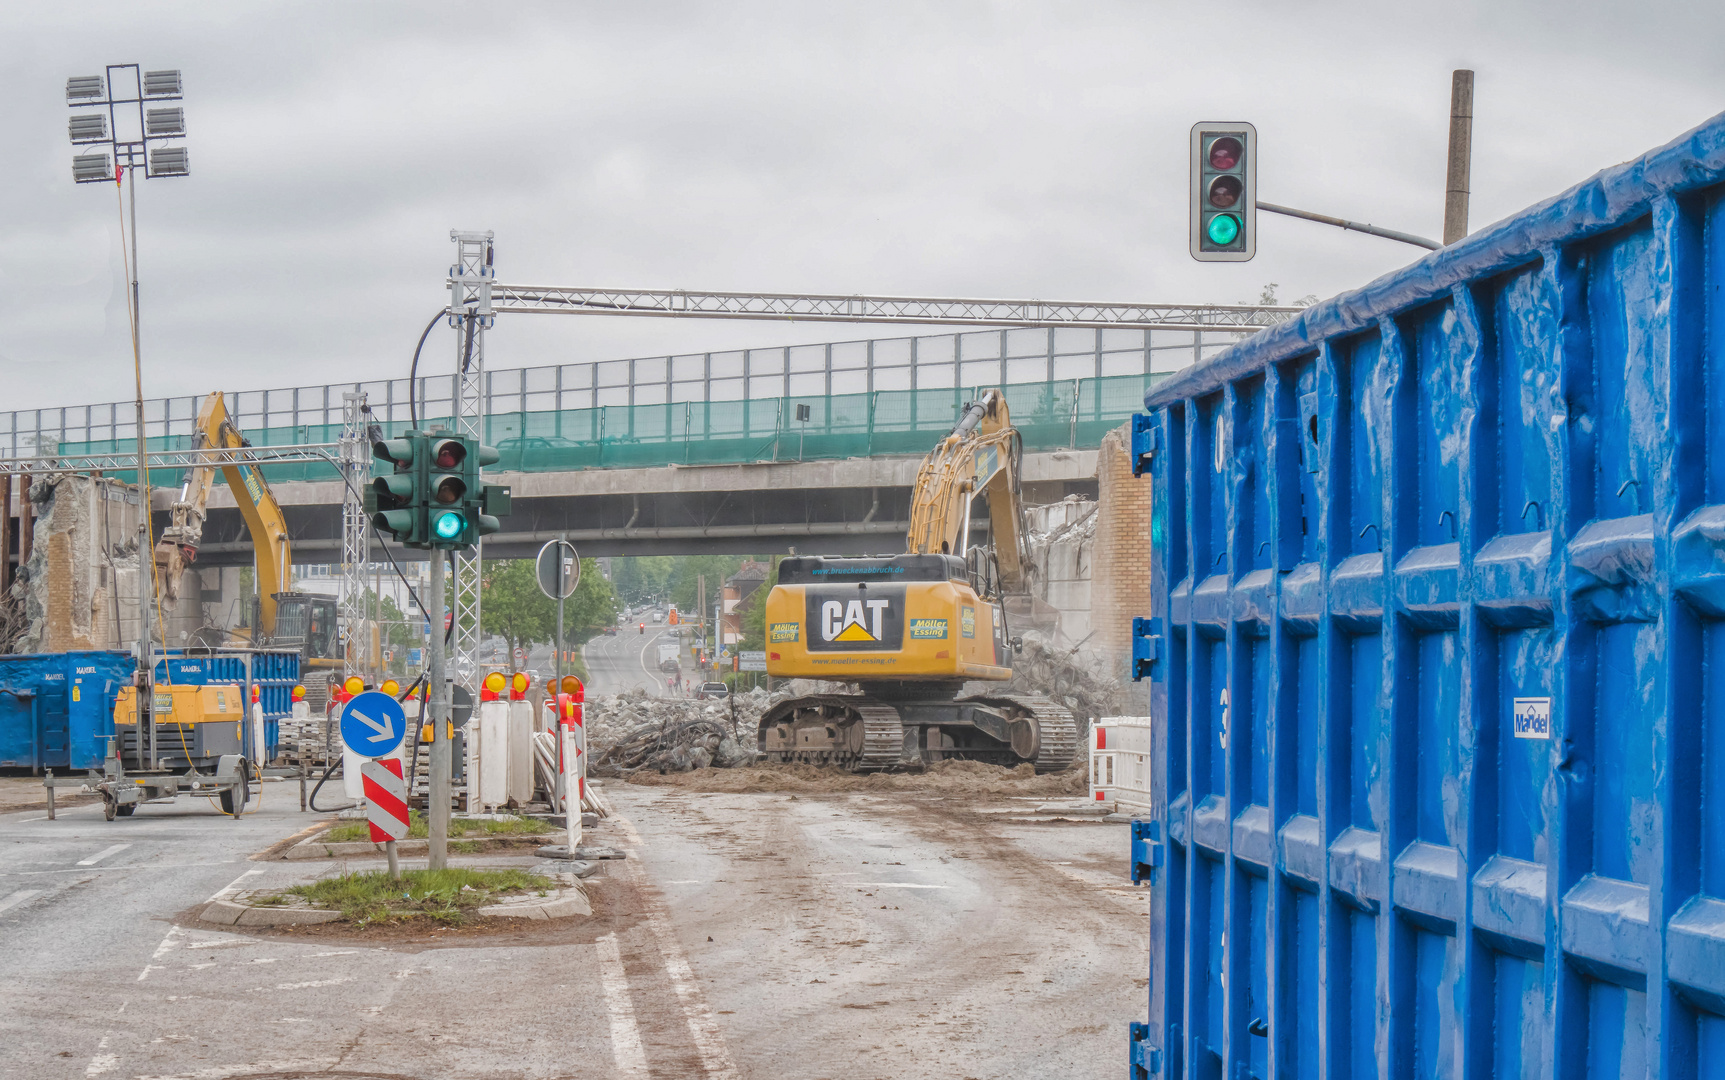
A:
{"x": 284, "y": 619}
{"x": 911, "y": 629}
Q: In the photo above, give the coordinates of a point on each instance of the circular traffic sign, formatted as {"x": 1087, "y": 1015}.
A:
{"x": 558, "y": 569}
{"x": 373, "y": 724}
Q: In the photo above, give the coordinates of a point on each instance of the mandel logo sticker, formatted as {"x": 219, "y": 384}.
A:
{"x": 967, "y": 621}
{"x": 928, "y": 628}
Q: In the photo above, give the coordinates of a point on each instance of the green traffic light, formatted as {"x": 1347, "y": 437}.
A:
{"x": 449, "y": 526}
{"x": 1223, "y": 229}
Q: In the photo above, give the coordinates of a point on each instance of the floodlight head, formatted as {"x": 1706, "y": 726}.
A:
{"x": 161, "y": 84}
{"x": 169, "y": 161}
{"x": 82, "y": 88}
{"x": 164, "y": 122}
{"x": 92, "y": 168}
{"x": 88, "y": 128}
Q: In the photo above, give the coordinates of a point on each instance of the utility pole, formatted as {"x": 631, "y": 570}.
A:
{"x": 1460, "y": 156}
{"x": 439, "y": 788}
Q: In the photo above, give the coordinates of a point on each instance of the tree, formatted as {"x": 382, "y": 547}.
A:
{"x": 514, "y": 609}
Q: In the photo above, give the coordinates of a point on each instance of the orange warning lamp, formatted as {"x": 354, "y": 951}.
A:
{"x": 254, "y": 693}
{"x": 299, "y": 693}
{"x": 572, "y": 686}
{"x": 353, "y": 686}
{"x": 518, "y": 686}
{"x": 491, "y": 687}
{"x": 390, "y": 687}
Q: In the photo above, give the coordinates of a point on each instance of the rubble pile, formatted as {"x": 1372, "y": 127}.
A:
{"x": 635, "y": 731}
{"x": 1073, "y": 677}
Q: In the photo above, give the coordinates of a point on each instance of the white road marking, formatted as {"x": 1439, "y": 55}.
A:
{"x": 18, "y": 898}
{"x": 893, "y": 885}
{"x": 103, "y": 854}
{"x": 301, "y": 985}
{"x": 703, "y": 1026}
{"x": 626, "y": 1050}
{"x": 102, "y": 1063}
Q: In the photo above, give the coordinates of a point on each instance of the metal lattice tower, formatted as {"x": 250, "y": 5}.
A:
{"x": 355, "y": 464}
{"x": 470, "y": 281}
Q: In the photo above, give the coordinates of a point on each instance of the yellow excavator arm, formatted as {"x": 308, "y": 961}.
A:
{"x": 263, "y": 517}
{"x": 981, "y": 456}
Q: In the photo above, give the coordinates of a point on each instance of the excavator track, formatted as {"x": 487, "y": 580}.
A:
{"x": 856, "y": 733}
{"x": 865, "y": 734}
{"x": 1055, "y": 729}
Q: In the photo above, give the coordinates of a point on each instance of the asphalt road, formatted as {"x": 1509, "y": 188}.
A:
{"x": 747, "y": 936}
{"x": 626, "y": 660}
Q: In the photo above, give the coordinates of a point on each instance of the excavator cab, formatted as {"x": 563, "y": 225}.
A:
{"x": 308, "y": 623}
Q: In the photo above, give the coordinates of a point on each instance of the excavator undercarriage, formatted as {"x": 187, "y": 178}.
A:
{"x": 884, "y": 731}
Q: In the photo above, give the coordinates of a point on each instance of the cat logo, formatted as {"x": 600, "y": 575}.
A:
{"x": 852, "y": 619}
{"x": 846, "y": 622}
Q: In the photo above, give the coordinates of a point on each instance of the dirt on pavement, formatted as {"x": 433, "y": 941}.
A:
{"x": 942, "y": 778}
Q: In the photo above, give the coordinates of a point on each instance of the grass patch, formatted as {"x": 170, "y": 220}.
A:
{"x": 443, "y": 895}
{"x": 419, "y": 828}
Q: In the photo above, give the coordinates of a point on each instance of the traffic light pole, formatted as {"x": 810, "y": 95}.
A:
{"x": 438, "y": 799}
{"x": 1351, "y": 226}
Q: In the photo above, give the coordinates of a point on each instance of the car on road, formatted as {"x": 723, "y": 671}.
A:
{"x": 710, "y": 690}
{"x": 658, "y": 616}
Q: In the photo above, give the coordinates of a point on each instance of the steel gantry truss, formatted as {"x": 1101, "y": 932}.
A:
{"x": 355, "y": 466}
{"x": 476, "y": 298}
{"x": 471, "y": 284}
{"x": 936, "y": 311}
{"x": 173, "y": 460}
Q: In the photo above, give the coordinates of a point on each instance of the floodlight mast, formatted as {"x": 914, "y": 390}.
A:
{"x": 142, "y": 143}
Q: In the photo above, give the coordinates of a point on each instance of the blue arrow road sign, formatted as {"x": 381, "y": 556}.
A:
{"x": 373, "y": 724}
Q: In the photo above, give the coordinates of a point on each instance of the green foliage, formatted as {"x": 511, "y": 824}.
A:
{"x": 636, "y": 578}
{"x": 349, "y": 832}
{"x": 753, "y": 621}
{"x": 514, "y": 608}
{"x": 446, "y": 895}
{"x": 674, "y": 578}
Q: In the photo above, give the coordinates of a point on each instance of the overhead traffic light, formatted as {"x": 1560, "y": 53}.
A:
{"x": 457, "y": 508}
{"x": 1224, "y": 226}
{"x": 395, "y": 500}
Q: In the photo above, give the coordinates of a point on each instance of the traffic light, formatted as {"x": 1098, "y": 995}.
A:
{"x": 454, "y": 508}
{"x": 395, "y": 500}
{"x": 446, "y": 491}
{"x": 1224, "y": 192}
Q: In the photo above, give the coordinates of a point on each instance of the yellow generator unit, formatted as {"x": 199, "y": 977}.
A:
{"x": 194, "y": 724}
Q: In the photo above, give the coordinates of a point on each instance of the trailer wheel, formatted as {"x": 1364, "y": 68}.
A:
{"x": 244, "y": 788}
{"x": 108, "y": 808}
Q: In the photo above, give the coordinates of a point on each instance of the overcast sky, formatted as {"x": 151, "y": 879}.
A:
{"x": 930, "y": 148}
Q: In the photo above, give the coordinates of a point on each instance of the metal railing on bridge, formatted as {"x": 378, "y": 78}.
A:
{"x": 840, "y": 369}
{"x": 1053, "y": 414}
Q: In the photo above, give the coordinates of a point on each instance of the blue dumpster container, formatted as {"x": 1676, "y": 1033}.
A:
{"x": 57, "y": 709}
{"x": 1439, "y": 642}
{"x": 274, "y": 673}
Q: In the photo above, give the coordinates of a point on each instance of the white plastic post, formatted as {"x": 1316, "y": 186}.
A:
{"x": 520, "y": 743}
{"x": 568, "y": 765}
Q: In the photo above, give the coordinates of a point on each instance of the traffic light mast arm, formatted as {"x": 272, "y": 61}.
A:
{"x": 1352, "y": 226}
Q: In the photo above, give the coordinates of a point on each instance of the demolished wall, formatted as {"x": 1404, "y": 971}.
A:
{"x": 79, "y": 588}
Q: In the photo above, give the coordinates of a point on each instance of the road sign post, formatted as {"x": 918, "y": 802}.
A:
{"x": 558, "y": 569}
{"x": 373, "y": 725}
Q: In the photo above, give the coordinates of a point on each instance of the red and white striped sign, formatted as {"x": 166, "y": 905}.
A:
{"x": 385, "y": 798}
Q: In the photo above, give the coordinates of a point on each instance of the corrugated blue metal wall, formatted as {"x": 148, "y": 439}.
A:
{"x": 57, "y": 709}
{"x": 1440, "y": 645}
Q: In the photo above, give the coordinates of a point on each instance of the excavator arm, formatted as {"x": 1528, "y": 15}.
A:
{"x": 258, "y": 507}
{"x": 981, "y": 456}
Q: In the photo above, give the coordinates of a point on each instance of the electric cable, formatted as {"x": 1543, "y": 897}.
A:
{"x": 413, "y": 371}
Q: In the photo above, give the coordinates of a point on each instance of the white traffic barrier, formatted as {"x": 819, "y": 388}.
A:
{"x": 570, "y": 736}
{"x": 520, "y": 752}
{"x": 488, "y": 756}
{"x": 1120, "y": 760}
